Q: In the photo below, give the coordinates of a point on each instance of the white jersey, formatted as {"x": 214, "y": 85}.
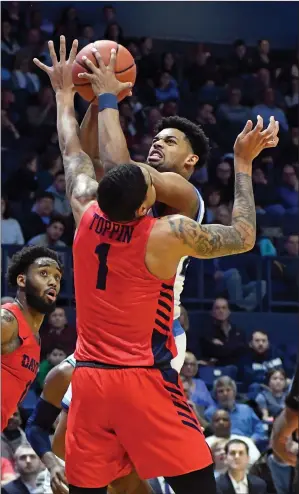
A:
{"x": 182, "y": 267}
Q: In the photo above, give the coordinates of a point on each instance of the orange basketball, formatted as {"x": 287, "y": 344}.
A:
{"x": 125, "y": 68}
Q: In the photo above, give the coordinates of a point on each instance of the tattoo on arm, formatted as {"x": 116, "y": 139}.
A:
{"x": 79, "y": 165}
{"x": 211, "y": 241}
{"x": 7, "y": 316}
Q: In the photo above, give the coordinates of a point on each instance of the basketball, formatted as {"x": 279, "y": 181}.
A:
{"x": 125, "y": 68}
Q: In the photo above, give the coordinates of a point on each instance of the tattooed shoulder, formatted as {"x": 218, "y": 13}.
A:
{"x": 7, "y": 317}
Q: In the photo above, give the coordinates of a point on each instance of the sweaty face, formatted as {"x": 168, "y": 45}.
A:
{"x": 171, "y": 152}
{"x": 260, "y": 342}
{"x": 42, "y": 285}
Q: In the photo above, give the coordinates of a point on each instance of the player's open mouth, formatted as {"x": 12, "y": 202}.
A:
{"x": 51, "y": 295}
{"x": 155, "y": 156}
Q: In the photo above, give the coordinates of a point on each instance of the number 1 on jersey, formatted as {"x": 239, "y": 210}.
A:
{"x": 102, "y": 251}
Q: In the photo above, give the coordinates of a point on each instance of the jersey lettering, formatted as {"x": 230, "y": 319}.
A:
{"x": 102, "y": 251}
{"x": 29, "y": 363}
{"x": 113, "y": 231}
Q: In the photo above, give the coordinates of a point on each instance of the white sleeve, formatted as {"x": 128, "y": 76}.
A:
{"x": 66, "y": 400}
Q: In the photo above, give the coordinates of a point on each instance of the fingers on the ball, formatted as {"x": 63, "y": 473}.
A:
{"x": 98, "y": 58}
{"x": 112, "y": 61}
{"x": 41, "y": 65}
{"x": 52, "y": 52}
{"x": 85, "y": 75}
{"x": 89, "y": 64}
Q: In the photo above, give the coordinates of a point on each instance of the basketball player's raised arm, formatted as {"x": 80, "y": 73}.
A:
{"x": 171, "y": 189}
{"x": 81, "y": 184}
{"x": 89, "y": 139}
{"x": 209, "y": 241}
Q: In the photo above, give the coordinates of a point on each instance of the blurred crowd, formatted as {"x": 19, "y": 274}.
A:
{"x": 235, "y": 386}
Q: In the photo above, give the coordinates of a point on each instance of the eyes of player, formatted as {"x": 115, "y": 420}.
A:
{"x": 44, "y": 273}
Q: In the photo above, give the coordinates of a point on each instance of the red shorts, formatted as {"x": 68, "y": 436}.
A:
{"x": 120, "y": 417}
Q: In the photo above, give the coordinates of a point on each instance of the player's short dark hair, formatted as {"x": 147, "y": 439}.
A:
{"x": 259, "y": 331}
{"x": 121, "y": 192}
{"x": 22, "y": 260}
{"x": 236, "y": 441}
{"x": 193, "y": 132}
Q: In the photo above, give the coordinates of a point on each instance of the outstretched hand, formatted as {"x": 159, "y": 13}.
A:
{"x": 60, "y": 73}
{"x": 102, "y": 78}
{"x": 251, "y": 142}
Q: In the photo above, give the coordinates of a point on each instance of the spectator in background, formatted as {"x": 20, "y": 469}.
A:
{"x": 114, "y": 32}
{"x": 36, "y": 222}
{"x": 222, "y": 341}
{"x": 260, "y": 358}
{"x": 43, "y": 111}
{"x": 168, "y": 65}
{"x": 41, "y": 23}
{"x": 287, "y": 271}
{"x": 11, "y": 13}
{"x": 7, "y": 471}
{"x": 223, "y": 215}
{"x": 199, "y": 393}
{"x": 69, "y": 25}
{"x": 265, "y": 195}
{"x": 212, "y": 201}
{"x": 233, "y": 112}
{"x": 288, "y": 191}
{"x": 236, "y": 480}
{"x": 271, "y": 401}
{"x": 51, "y": 166}
{"x": 58, "y": 333}
{"x": 11, "y": 232}
{"x": 267, "y": 108}
{"x": 184, "y": 319}
{"x": 9, "y": 45}
{"x": 167, "y": 88}
{"x": 197, "y": 409}
{"x": 240, "y": 62}
{"x": 244, "y": 422}
{"x": 87, "y": 37}
{"x": 61, "y": 202}
{"x": 221, "y": 426}
{"x": 219, "y": 457}
{"x": 51, "y": 238}
{"x": 31, "y": 47}
{"x": 292, "y": 98}
{"x": 23, "y": 77}
{"x": 9, "y": 133}
{"x": 12, "y": 437}
{"x": 55, "y": 357}
{"x": 224, "y": 181}
{"x": 23, "y": 184}
{"x": 160, "y": 486}
{"x": 262, "y": 58}
{"x": 28, "y": 466}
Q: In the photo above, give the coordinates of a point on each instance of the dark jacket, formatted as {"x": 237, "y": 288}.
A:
{"x": 255, "y": 485}
{"x": 234, "y": 345}
{"x": 15, "y": 487}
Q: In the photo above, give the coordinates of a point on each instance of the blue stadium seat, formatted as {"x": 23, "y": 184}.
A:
{"x": 208, "y": 373}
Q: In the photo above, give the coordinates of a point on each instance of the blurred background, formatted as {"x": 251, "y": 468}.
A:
{"x": 218, "y": 64}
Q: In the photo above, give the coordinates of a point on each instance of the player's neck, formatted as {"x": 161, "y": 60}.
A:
{"x": 32, "y": 316}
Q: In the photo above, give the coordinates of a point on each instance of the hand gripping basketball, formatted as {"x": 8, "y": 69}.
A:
{"x": 102, "y": 78}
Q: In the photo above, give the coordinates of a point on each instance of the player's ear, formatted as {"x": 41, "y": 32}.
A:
{"x": 141, "y": 211}
{"x": 21, "y": 280}
{"x": 191, "y": 160}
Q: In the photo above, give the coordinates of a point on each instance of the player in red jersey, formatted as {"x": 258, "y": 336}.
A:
{"x": 125, "y": 264}
{"x": 36, "y": 271}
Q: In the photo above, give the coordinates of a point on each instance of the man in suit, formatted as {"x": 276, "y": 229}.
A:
{"x": 236, "y": 480}
{"x": 160, "y": 486}
{"x": 28, "y": 466}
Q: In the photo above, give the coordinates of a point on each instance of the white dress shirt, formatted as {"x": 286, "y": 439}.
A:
{"x": 240, "y": 487}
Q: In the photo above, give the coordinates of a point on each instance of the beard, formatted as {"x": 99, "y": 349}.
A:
{"x": 35, "y": 301}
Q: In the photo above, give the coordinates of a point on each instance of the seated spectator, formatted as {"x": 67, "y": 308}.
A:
{"x": 23, "y": 76}
{"x": 262, "y": 57}
{"x": 23, "y": 184}
{"x": 168, "y": 65}
{"x": 260, "y": 358}
{"x": 265, "y": 195}
{"x": 272, "y": 400}
{"x": 222, "y": 341}
{"x": 11, "y": 232}
{"x": 28, "y": 466}
{"x": 240, "y": 62}
{"x": 37, "y": 21}
{"x": 198, "y": 410}
{"x": 58, "y": 333}
{"x": 184, "y": 319}
{"x": 288, "y": 191}
{"x": 224, "y": 181}
{"x": 198, "y": 391}
{"x": 286, "y": 271}
{"x": 167, "y": 88}
{"x": 55, "y": 357}
{"x": 236, "y": 480}
{"x": 212, "y": 201}
{"x": 12, "y": 437}
{"x": 9, "y": 133}
{"x": 219, "y": 457}
{"x": 223, "y": 215}
{"x": 244, "y": 421}
{"x": 233, "y": 111}
{"x": 69, "y": 25}
{"x": 221, "y": 426}
{"x": 54, "y": 231}
{"x": 267, "y": 108}
{"x": 114, "y": 32}
{"x": 51, "y": 166}
{"x": 206, "y": 118}
{"x": 9, "y": 45}
{"x": 88, "y": 36}
{"x": 43, "y": 111}
{"x": 160, "y": 486}
{"x": 7, "y": 471}
{"x": 292, "y": 98}
{"x": 36, "y": 222}
{"x": 61, "y": 202}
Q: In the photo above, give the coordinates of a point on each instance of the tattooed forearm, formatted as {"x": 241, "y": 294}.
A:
{"x": 211, "y": 241}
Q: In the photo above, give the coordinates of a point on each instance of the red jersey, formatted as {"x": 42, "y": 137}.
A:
{"x": 19, "y": 368}
{"x": 124, "y": 313}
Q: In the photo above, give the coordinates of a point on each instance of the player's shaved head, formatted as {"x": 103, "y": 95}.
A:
{"x": 123, "y": 191}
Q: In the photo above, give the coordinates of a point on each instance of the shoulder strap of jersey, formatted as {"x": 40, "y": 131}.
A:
{"x": 71, "y": 360}
{"x": 201, "y": 208}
